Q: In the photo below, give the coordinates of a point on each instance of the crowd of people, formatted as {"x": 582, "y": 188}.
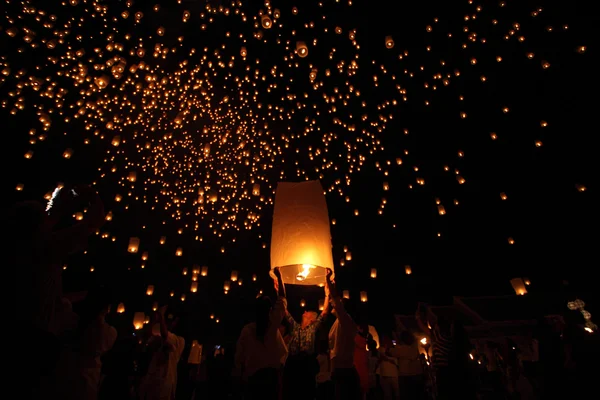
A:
{"x": 332, "y": 355}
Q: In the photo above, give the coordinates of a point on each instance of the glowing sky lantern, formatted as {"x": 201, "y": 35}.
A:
{"x": 301, "y": 49}
{"x": 138, "y": 320}
{"x": 519, "y": 286}
{"x": 134, "y": 244}
{"x": 300, "y": 239}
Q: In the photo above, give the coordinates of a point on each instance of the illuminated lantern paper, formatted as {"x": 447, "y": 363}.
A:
{"x": 179, "y": 252}
{"x": 144, "y": 256}
{"x": 227, "y": 286}
{"x": 301, "y": 49}
{"x": 519, "y": 286}
{"x": 321, "y": 305}
{"x": 204, "y": 271}
{"x": 134, "y": 245}
{"x": 373, "y": 273}
{"x": 363, "y": 297}
{"x": 389, "y": 42}
{"x": 185, "y": 270}
{"x": 407, "y": 269}
{"x": 346, "y": 294}
{"x": 121, "y": 308}
{"x": 234, "y": 276}
{"x": 138, "y": 320}
{"x": 150, "y": 290}
{"x": 300, "y": 239}
{"x": 256, "y": 190}
{"x": 155, "y": 306}
{"x": 302, "y": 303}
{"x": 194, "y": 287}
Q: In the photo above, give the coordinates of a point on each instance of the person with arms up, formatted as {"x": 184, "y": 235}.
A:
{"x": 160, "y": 382}
{"x": 36, "y": 251}
{"x": 341, "y": 344}
{"x": 261, "y": 351}
{"x": 302, "y": 366}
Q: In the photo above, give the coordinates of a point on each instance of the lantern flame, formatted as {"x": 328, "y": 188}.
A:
{"x": 305, "y": 271}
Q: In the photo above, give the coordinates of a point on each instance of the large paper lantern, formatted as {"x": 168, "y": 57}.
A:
{"x": 300, "y": 238}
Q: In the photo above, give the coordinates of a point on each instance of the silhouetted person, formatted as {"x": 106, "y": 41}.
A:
{"x": 36, "y": 252}
{"x": 261, "y": 351}
{"x": 341, "y": 346}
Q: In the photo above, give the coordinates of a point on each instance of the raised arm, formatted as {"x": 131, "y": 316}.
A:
{"x": 278, "y": 283}
{"x": 75, "y": 238}
{"x": 342, "y": 315}
{"x": 326, "y": 301}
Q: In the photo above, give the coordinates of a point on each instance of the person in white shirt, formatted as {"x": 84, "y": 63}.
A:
{"x": 261, "y": 351}
{"x": 341, "y": 346}
{"x": 388, "y": 371}
{"x": 323, "y": 378}
{"x": 410, "y": 369}
{"x": 160, "y": 382}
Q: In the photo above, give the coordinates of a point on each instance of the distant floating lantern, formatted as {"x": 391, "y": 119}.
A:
{"x": 313, "y": 74}
{"x": 389, "y": 42}
{"x": 118, "y": 198}
{"x": 265, "y": 21}
{"x": 363, "y": 297}
{"x": 321, "y": 305}
{"x": 185, "y": 271}
{"x": 234, "y": 276}
{"x": 121, "y": 308}
{"x": 441, "y": 210}
{"x": 386, "y": 186}
{"x": 256, "y": 189}
{"x": 68, "y": 153}
{"x": 116, "y": 141}
{"x": 346, "y": 294}
{"x": 213, "y": 197}
{"x": 227, "y": 286}
{"x": 301, "y": 239}
{"x": 301, "y": 49}
{"x": 254, "y": 277}
{"x": 243, "y": 52}
{"x": 155, "y": 306}
{"x": 132, "y": 176}
{"x": 78, "y": 216}
{"x": 109, "y": 216}
{"x": 527, "y": 281}
{"x": 519, "y": 286}
{"x": 134, "y": 244}
{"x": 511, "y": 240}
{"x": 407, "y": 270}
{"x": 172, "y": 293}
{"x": 302, "y": 303}
{"x": 194, "y": 287}
{"x": 150, "y": 290}
{"x": 204, "y": 271}
{"x": 20, "y": 187}
{"x": 194, "y": 276}
{"x": 179, "y": 252}
{"x": 373, "y": 273}
{"x": 349, "y": 256}
{"x": 144, "y": 256}
{"x": 138, "y": 320}
{"x": 163, "y": 239}
{"x": 503, "y": 196}
{"x": 182, "y": 297}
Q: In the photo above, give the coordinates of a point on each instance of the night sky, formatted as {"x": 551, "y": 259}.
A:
{"x": 475, "y": 101}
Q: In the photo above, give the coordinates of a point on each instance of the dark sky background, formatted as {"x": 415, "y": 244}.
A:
{"x": 553, "y": 224}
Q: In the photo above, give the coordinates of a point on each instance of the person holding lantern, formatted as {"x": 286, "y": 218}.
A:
{"x": 302, "y": 367}
{"x": 261, "y": 351}
{"x": 160, "y": 382}
{"x": 341, "y": 344}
